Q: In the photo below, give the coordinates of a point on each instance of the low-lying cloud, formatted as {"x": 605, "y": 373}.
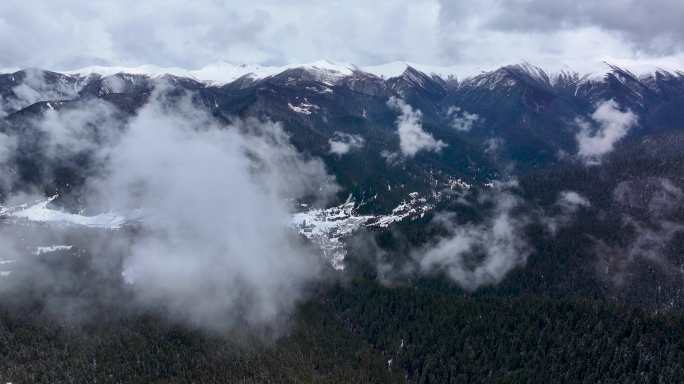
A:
{"x": 343, "y": 143}
{"x": 462, "y": 120}
{"x": 212, "y": 201}
{"x": 8, "y": 146}
{"x": 412, "y": 137}
{"x": 34, "y": 87}
{"x": 477, "y": 254}
{"x": 567, "y": 204}
{"x": 613, "y": 125}
{"x": 649, "y": 224}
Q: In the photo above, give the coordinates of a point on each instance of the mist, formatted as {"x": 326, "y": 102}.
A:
{"x": 481, "y": 253}
{"x": 649, "y": 225}
{"x": 33, "y": 87}
{"x": 208, "y": 206}
{"x": 214, "y": 207}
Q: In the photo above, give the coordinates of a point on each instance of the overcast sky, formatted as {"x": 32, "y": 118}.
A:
{"x": 470, "y": 35}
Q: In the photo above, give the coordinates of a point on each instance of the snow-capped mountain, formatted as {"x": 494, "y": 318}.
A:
{"x": 405, "y": 143}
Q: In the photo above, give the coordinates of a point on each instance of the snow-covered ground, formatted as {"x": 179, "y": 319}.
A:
{"x": 304, "y": 107}
{"x": 328, "y": 228}
{"x": 224, "y": 72}
{"x": 4, "y": 267}
{"x": 42, "y": 212}
{"x": 416, "y": 206}
{"x": 7, "y": 264}
{"x": 51, "y": 248}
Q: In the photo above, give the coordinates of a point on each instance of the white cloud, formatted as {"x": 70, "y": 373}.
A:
{"x": 8, "y": 147}
{"x": 613, "y": 125}
{"x": 649, "y": 26}
{"x": 493, "y": 145}
{"x": 33, "y": 88}
{"x": 226, "y": 250}
{"x": 572, "y": 199}
{"x": 474, "y": 255}
{"x": 213, "y": 246}
{"x": 470, "y": 35}
{"x": 462, "y": 120}
{"x": 651, "y": 231}
{"x": 391, "y": 158}
{"x": 568, "y": 204}
{"x": 342, "y": 143}
{"x": 412, "y": 137}
{"x": 73, "y": 130}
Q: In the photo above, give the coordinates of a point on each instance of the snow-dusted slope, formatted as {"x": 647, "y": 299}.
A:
{"x": 5, "y": 267}
{"x": 41, "y": 212}
{"x": 51, "y": 248}
{"x": 328, "y": 228}
{"x": 396, "y": 68}
{"x": 225, "y": 72}
{"x": 221, "y": 73}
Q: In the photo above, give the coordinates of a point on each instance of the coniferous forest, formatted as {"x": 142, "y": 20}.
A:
{"x": 361, "y": 332}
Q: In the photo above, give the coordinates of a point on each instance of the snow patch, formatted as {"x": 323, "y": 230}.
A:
{"x": 415, "y": 207}
{"x": 342, "y": 143}
{"x": 458, "y": 184}
{"x": 328, "y": 228}
{"x": 40, "y": 212}
{"x": 51, "y": 248}
{"x": 397, "y": 68}
{"x": 304, "y": 107}
{"x": 223, "y": 72}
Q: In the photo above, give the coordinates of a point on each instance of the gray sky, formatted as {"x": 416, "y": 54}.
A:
{"x": 469, "y": 35}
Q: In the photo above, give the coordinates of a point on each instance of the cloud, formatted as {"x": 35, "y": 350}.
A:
{"x": 60, "y": 136}
{"x": 568, "y": 204}
{"x": 649, "y": 224}
{"x": 462, "y": 120}
{"x": 8, "y": 147}
{"x": 482, "y": 253}
{"x": 613, "y": 125}
{"x": 173, "y": 33}
{"x": 73, "y": 130}
{"x": 493, "y": 146}
{"x": 391, "y": 158}
{"x": 113, "y": 84}
{"x": 477, "y": 254}
{"x": 570, "y": 200}
{"x": 412, "y": 137}
{"x": 469, "y": 35}
{"x": 217, "y": 244}
{"x": 560, "y": 34}
{"x": 212, "y": 246}
{"x": 647, "y": 26}
{"x": 653, "y": 196}
{"x": 34, "y": 87}
{"x": 342, "y": 143}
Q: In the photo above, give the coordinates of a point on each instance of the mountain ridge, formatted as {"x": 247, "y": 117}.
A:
{"x": 517, "y": 124}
